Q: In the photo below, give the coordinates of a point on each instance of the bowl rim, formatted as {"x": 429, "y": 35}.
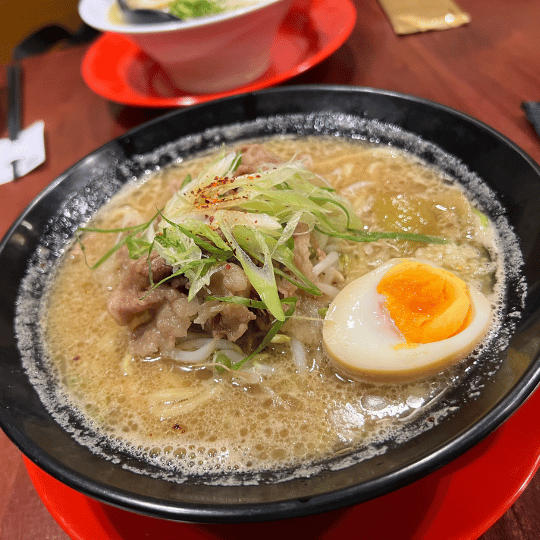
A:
{"x": 292, "y": 507}
{"x": 88, "y": 15}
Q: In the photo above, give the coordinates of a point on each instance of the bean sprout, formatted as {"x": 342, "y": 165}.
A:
{"x": 330, "y": 290}
{"x": 329, "y": 260}
{"x": 194, "y": 357}
{"x": 299, "y": 354}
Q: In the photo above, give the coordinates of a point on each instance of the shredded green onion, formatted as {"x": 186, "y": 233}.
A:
{"x": 188, "y": 9}
{"x": 484, "y": 221}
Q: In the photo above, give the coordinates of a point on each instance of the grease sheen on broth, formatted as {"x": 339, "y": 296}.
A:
{"x": 291, "y": 417}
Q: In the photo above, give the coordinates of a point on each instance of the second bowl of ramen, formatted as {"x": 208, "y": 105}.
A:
{"x": 219, "y": 51}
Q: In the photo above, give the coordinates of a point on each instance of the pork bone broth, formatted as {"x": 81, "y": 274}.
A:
{"x": 133, "y": 378}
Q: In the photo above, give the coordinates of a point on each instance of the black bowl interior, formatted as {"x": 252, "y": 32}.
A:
{"x": 41, "y": 231}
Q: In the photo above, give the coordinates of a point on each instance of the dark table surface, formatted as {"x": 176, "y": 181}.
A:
{"x": 485, "y": 69}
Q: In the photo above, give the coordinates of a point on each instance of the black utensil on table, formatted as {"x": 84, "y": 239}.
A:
{"x": 14, "y": 107}
{"x": 532, "y": 108}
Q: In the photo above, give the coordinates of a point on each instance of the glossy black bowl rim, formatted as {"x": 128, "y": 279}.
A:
{"x": 206, "y": 513}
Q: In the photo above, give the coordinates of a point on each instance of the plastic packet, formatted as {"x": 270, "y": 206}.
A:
{"x": 410, "y": 16}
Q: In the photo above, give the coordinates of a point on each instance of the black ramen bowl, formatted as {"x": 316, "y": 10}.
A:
{"x": 495, "y": 387}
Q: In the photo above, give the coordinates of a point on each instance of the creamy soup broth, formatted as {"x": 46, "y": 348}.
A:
{"x": 197, "y": 420}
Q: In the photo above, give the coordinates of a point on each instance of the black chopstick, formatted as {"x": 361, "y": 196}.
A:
{"x": 532, "y": 108}
{"x": 14, "y": 106}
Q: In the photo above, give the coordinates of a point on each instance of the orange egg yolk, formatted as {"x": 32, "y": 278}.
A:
{"x": 426, "y": 304}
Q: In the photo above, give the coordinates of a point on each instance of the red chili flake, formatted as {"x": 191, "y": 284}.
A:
{"x": 211, "y": 219}
{"x": 227, "y": 267}
{"x": 75, "y": 358}
{"x": 178, "y": 427}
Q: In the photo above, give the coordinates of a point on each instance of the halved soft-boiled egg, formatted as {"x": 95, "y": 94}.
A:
{"x": 406, "y": 319}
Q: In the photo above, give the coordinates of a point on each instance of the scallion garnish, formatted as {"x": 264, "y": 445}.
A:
{"x": 188, "y": 9}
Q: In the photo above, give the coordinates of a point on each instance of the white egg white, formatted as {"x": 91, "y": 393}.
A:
{"x": 360, "y": 337}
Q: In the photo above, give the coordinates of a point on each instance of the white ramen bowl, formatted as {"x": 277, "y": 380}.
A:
{"x": 207, "y": 54}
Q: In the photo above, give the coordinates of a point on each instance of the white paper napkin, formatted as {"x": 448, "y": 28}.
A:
{"x": 28, "y": 150}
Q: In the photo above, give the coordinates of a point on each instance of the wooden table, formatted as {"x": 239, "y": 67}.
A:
{"x": 486, "y": 69}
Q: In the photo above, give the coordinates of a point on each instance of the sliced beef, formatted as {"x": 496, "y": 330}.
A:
{"x": 253, "y": 157}
{"x": 156, "y": 319}
{"x": 230, "y": 280}
{"x": 225, "y": 320}
{"x": 170, "y": 320}
{"x": 131, "y": 297}
{"x": 301, "y": 251}
{"x": 231, "y": 323}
